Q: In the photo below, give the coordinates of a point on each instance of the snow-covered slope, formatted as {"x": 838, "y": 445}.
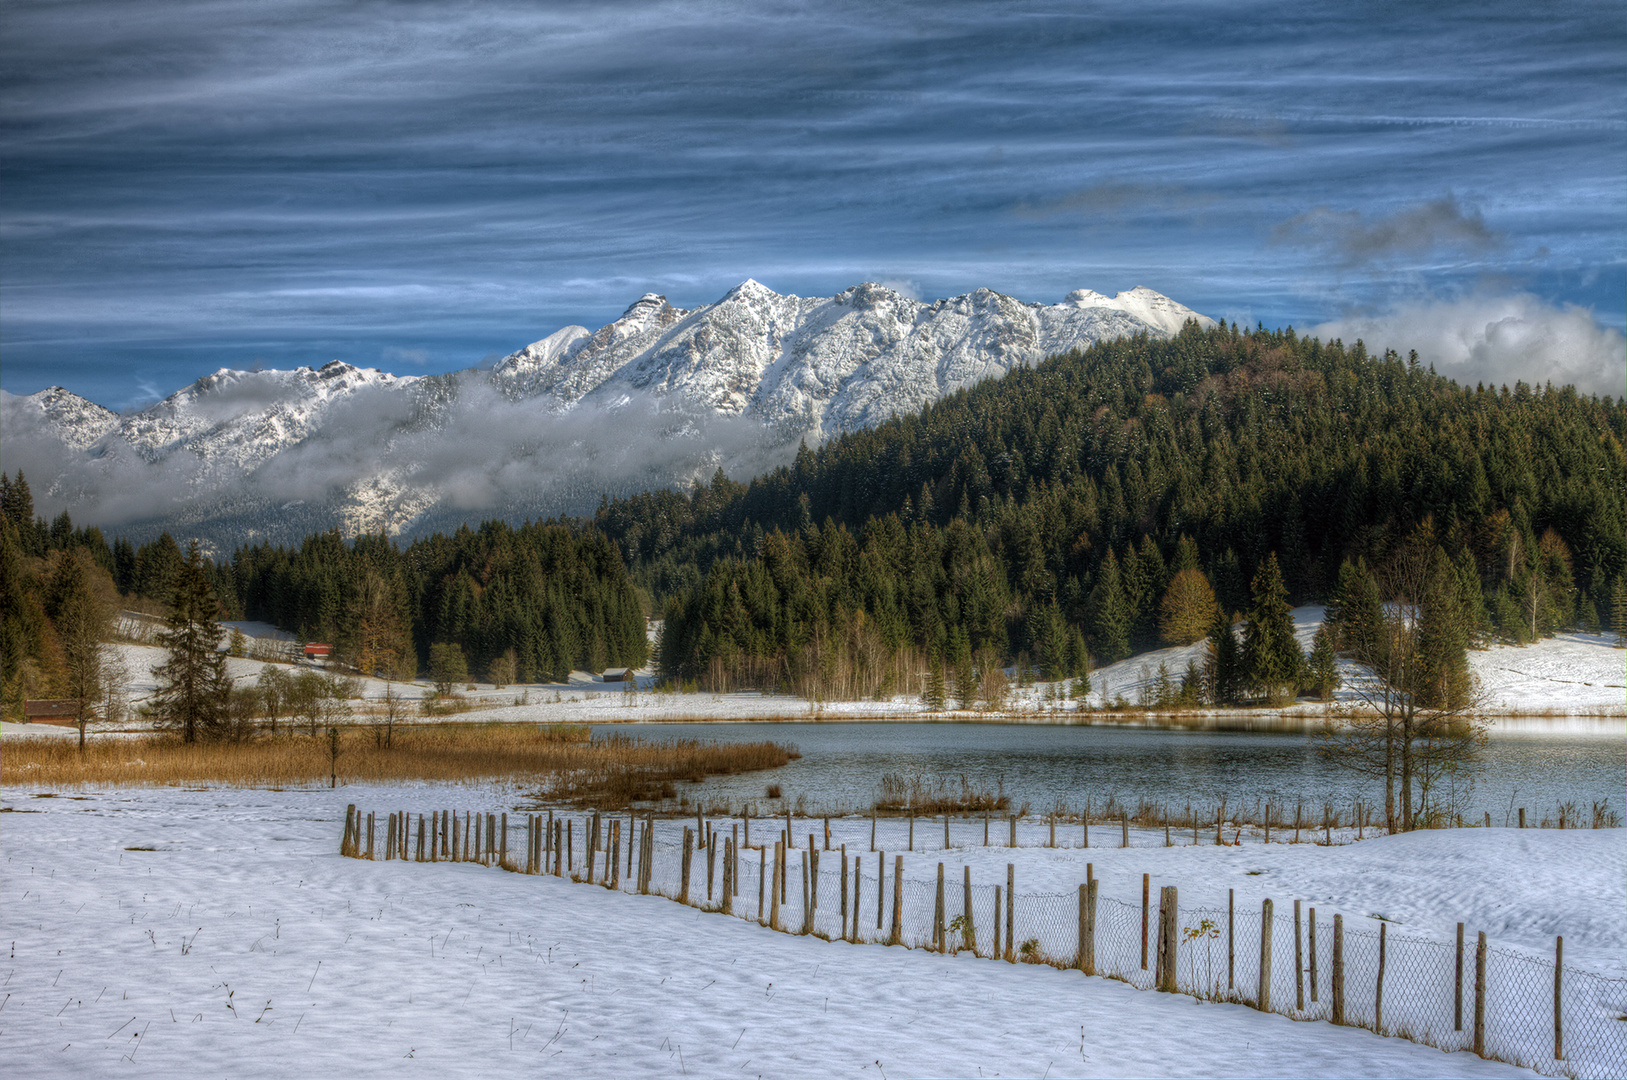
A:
{"x": 658, "y": 396}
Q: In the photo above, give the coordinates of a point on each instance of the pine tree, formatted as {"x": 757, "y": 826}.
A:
{"x": 1221, "y": 663}
{"x": 1323, "y": 666}
{"x": 1110, "y": 623}
{"x": 1271, "y": 657}
{"x": 192, "y": 684}
{"x": 1618, "y": 609}
{"x": 82, "y": 621}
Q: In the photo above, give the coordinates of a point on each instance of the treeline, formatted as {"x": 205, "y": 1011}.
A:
{"x": 525, "y": 603}
{"x": 538, "y": 599}
{"x": 1050, "y": 513}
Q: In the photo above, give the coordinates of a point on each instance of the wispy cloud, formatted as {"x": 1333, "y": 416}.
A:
{"x": 1355, "y": 239}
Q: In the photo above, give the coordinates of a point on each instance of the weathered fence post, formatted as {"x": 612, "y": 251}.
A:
{"x": 773, "y": 889}
{"x": 1480, "y": 995}
{"x": 968, "y": 931}
{"x": 711, "y": 864}
{"x": 1338, "y": 969}
{"x": 1011, "y": 911}
{"x": 389, "y": 838}
{"x": 1299, "y": 962}
{"x": 762, "y": 877}
{"x": 683, "y": 871}
{"x": 912, "y": 829}
{"x": 1087, "y": 927}
{"x": 1231, "y": 939}
{"x": 1125, "y": 820}
{"x": 985, "y": 828}
{"x": 1146, "y": 896}
{"x": 881, "y": 887}
{"x": 1268, "y": 823}
{"x": 844, "y": 892}
{"x": 827, "y": 832}
{"x": 1378, "y": 987}
{"x": 1087, "y": 822}
{"x": 996, "y": 953}
{"x": 1522, "y": 817}
{"x": 1267, "y": 924}
{"x": 807, "y": 904}
{"x": 1013, "y": 842}
{"x": 1167, "y": 915}
{"x": 858, "y": 881}
{"x": 939, "y": 939}
{"x": 872, "y": 830}
{"x": 1559, "y": 973}
{"x": 1311, "y": 928}
{"x": 894, "y": 937}
{"x": 370, "y": 834}
{"x": 1053, "y": 831}
{"x": 946, "y": 832}
{"x": 728, "y": 875}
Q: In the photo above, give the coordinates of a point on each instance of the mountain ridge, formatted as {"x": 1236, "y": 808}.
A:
{"x": 658, "y": 395}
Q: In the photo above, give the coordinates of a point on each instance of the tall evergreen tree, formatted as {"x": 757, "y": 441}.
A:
{"x": 1110, "y": 614}
{"x": 1271, "y": 656}
{"x": 193, "y": 687}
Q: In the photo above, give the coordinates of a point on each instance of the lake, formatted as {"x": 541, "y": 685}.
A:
{"x": 842, "y": 765}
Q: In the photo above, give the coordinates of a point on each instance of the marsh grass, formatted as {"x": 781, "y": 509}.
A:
{"x": 561, "y": 759}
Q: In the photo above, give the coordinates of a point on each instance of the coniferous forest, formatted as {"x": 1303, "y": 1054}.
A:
{"x": 1067, "y": 515}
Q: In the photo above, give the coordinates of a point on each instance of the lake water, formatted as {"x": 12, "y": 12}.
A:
{"x": 842, "y": 765}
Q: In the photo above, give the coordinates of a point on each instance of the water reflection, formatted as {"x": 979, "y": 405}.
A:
{"x": 842, "y": 766}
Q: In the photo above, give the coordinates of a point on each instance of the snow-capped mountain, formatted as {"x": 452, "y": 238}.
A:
{"x": 657, "y": 396}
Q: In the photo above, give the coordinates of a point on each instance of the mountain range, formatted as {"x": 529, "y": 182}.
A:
{"x": 659, "y": 396}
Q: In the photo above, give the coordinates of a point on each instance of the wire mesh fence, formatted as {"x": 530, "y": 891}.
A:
{"x": 1500, "y": 1002}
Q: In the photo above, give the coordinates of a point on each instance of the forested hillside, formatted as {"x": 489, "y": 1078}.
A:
{"x": 1067, "y": 514}
{"x": 1050, "y": 512}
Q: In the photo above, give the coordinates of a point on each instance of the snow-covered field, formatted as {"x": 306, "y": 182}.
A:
{"x": 1572, "y": 683}
{"x": 216, "y": 932}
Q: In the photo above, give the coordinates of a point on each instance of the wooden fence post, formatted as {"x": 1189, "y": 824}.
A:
{"x": 762, "y": 877}
{"x": 1125, "y": 819}
{"x": 1268, "y": 823}
{"x": 1378, "y": 987}
{"x": 872, "y": 830}
{"x": 683, "y": 871}
{"x": 1168, "y": 909}
{"x": 1146, "y": 896}
{"x": 370, "y": 834}
{"x": 1053, "y": 831}
{"x": 1087, "y": 926}
{"x": 1267, "y": 924}
{"x": 985, "y": 828}
{"x": 912, "y": 829}
{"x": 844, "y": 892}
{"x": 1480, "y": 995}
{"x": 389, "y": 838}
{"x": 858, "y": 890}
{"x": 946, "y": 832}
{"x": 881, "y": 887}
{"x": 711, "y": 864}
{"x": 939, "y": 939}
{"x": 1013, "y": 842}
{"x": 807, "y": 903}
{"x": 968, "y": 931}
{"x": 1522, "y": 817}
{"x": 728, "y": 875}
{"x": 1559, "y": 974}
{"x": 1312, "y": 930}
{"x": 1338, "y": 969}
{"x": 1299, "y": 962}
{"x": 1231, "y": 939}
{"x": 827, "y": 832}
{"x": 1011, "y": 911}
{"x": 773, "y": 888}
{"x": 894, "y": 937}
{"x": 996, "y": 952}
{"x": 1087, "y": 822}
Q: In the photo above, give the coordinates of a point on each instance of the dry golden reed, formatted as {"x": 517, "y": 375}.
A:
{"x": 563, "y": 761}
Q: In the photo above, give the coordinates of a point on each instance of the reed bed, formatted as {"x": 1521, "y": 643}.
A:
{"x": 562, "y": 760}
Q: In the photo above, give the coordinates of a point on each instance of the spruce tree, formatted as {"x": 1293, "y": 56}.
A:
{"x": 1110, "y": 622}
{"x": 1271, "y": 657}
{"x": 1323, "y": 666}
{"x": 192, "y": 684}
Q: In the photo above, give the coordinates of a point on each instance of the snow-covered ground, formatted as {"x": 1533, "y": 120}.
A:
{"x": 1572, "y": 683}
{"x": 216, "y": 932}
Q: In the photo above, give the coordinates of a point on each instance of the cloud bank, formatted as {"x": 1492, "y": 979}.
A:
{"x": 1498, "y": 340}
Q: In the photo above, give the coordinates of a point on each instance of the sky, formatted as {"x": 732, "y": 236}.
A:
{"x": 421, "y": 187}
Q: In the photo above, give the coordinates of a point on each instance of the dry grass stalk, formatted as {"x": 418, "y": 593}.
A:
{"x": 607, "y": 772}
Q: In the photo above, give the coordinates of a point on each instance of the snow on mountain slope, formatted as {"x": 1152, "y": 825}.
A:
{"x": 732, "y": 384}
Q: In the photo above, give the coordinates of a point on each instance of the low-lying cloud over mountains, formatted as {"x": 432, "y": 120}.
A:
{"x": 656, "y": 397}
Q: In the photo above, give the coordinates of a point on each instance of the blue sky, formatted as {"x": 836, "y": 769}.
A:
{"x": 186, "y": 186}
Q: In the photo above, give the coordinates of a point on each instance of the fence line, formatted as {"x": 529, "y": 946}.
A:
{"x": 1497, "y": 1002}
